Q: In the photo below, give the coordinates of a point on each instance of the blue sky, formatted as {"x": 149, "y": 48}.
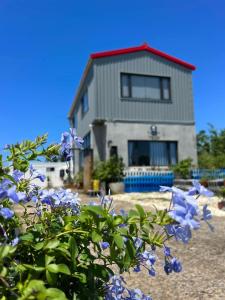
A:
{"x": 45, "y": 45}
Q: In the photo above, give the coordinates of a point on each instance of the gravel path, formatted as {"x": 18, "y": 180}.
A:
{"x": 203, "y": 259}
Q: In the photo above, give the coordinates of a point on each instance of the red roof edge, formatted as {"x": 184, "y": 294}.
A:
{"x": 144, "y": 47}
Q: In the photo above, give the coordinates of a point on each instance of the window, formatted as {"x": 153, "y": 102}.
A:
{"x": 145, "y": 87}
{"x": 151, "y": 153}
{"x": 50, "y": 169}
{"x": 113, "y": 151}
{"x": 84, "y": 103}
{"x": 87, "y": 141}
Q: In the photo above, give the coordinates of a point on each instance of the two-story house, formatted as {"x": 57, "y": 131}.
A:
{"x": 138, "y": 103}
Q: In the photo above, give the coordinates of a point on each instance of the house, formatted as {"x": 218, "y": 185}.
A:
{"x": 137, "y": 103}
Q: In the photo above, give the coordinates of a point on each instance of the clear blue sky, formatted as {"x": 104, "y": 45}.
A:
{"x": 45, "y": 44}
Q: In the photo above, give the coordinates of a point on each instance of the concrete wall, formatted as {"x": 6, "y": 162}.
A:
{"x": 120, "y": 132}
{"x": 54, "y": 178}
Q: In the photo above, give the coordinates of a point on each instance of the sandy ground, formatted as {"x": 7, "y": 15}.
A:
{"x": 203, "y": 259}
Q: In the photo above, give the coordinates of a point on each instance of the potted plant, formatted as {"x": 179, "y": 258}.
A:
{"x": 111, "y": 173}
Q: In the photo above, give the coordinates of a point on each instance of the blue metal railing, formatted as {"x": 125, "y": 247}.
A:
{"x": 148, "y": 183}
{"x": 207, "y": 173}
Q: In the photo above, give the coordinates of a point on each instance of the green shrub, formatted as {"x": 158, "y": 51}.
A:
{"x": 110, "y": 170}
{"x": 182, "y": 169}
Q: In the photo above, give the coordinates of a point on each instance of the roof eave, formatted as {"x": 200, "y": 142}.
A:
{"x": 143, "y": 47}
{"x": 86, "y": 70}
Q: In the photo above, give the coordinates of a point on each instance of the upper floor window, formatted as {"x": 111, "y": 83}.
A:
{"x": 145, "y": 87}
{"x": 84, "y": 103}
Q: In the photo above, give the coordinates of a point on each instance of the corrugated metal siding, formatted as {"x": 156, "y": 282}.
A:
{"x": 84, "y": 121}
{"x": 110, "y": 106}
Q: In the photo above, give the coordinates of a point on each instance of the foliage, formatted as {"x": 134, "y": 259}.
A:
{"x": 52, "y": 247}
{"x": 79, "y": 178}
{"x": 211, "y": 148}
{"x": 182, "y": 169}
{"x": 110, "y": 170}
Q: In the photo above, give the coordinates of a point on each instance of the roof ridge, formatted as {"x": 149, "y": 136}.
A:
{"x": 143, "y": 47}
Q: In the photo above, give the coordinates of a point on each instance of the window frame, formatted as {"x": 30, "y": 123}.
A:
{"x": 152, "y": 141}
{"x": 129, "y": 75}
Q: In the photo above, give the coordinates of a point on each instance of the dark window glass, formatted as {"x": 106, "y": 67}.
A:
{"x": 145, "y": 87}
{"x": 113, "y": 151}
{"x": 50, "y": 169}
{"x": 151, "y": 153}
{"x": 87, "y": 141}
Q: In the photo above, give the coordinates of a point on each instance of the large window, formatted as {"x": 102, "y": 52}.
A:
{"x": 145, "y": 87}
{"x": 151, "y": 153}
{"x": 84, "y": 103}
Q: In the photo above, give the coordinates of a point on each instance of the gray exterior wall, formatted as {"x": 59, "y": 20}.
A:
{"x": 84, "y": 121}
{"x": 110, "y": 106}
{"x": 121, "y": 133}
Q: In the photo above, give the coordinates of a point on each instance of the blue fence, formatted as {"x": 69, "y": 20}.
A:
{"x": 148, "y": 183}
{"x": 209, "y": 174}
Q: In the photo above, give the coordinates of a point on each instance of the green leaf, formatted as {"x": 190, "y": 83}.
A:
{"x": 34, "y": 268}
{"x": 53, "y": 293}
{"x": 51, "y": 278}
{"x": 81, "y": 276}
{"x": 96, "y": 237}
{"x": 73, "y": 248}
{"x": 118, "y": 240}
{"x": 118, "y": 220}
{"x": 48, "y": 259}
{"x": 52, "y": 244}
{"x": 98, "y": 210}
{"x": 140, "y": 210}
{"x": 4, "y": 251}
{"x": 60, "y": 268}
{"x": 27, "y": 237}
{"x": 38, "y": 246}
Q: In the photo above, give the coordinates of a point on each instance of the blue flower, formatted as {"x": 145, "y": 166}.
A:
{"x": 168, "y": 267}
{"x": 138, "y": 243}
{"x": 14, "y": 195}
{"x": 181, "y": 233}
{"x": 207, "y": 215}
{"x": 151, "y": 272}
{"x": 137, "y": 269}
{"x": 6, "y": 213}
{"x": 166, "y": 251}
{"x": 17, "y": 175}
{"x": 137, "y": 294}
{"x": 199, "y": 189}
{"x": 15, "y": 241}
{"x": 176, "y": 265}
{"x": 104, "y": 245}
{"x": 36, "y": 175}
{"x": 147, "y": 258}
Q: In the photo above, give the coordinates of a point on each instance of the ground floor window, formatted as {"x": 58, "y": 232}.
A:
{"x": 152, "y": 153}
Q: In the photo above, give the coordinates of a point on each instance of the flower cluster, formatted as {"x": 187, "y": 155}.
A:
{"x": 116, "y": 290}
{"x": 185, "y": 211}
{"x": 68, "y": 139}
{"x": 61, "y": 198}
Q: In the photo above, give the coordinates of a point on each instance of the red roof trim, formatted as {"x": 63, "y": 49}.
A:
{"x": 144, "y": 47}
